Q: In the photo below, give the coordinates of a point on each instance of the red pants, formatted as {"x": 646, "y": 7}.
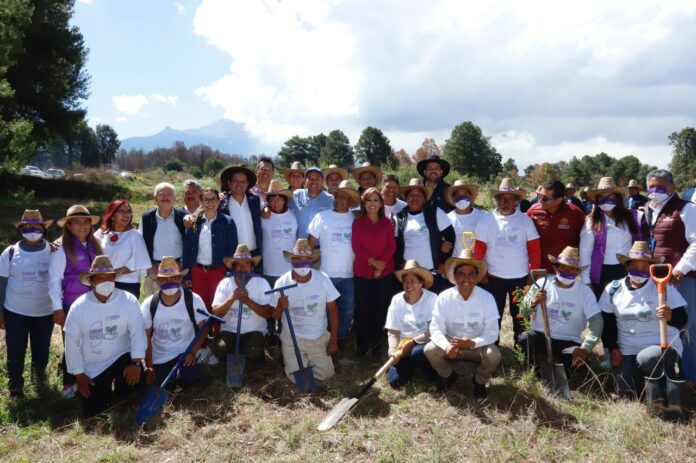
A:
{"x": 204, "y": 283}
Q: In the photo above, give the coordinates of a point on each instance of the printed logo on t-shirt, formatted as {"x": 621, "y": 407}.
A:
{"x": 341, "y": 237}
{"x": 281, "y": 232}
{"x": 167, "y": 334}
{"x": 31, "y": 275}
{"x": 246, "y": 312}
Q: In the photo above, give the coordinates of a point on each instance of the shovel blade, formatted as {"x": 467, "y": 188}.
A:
{"x": 337, "y": 413}
{"x": 235, "y": 370}
{"x": 155, "y": 398}
{"x": 561, "y": 381}
{"x": 304, "y": 378}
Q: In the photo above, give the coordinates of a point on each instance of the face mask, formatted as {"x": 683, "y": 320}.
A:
{"x": 657, "y": 194}
{"x": 170, "y": 289}
{"x": 32, "y": 236}
{"x": 302, "y": 271}
{"x": 565, "y": 278}
{"x": 606, "y": 207}
{"x": 105, "y": 288}
{"x": 638, "y": 276}
{"x": 462, "y": 202}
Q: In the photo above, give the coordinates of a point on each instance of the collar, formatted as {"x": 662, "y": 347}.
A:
{"x": 157, "y": 213}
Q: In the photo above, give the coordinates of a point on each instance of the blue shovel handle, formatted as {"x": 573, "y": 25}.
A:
{"x": 290, "y": 327}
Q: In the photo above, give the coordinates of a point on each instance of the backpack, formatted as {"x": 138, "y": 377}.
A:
{"x": 188, "y": 302}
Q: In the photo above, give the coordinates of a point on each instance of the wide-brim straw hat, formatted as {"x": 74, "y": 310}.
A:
{"x": 412, "y": 267}
{"x": 295, "y": 167}
{"x": 466, "y": 257}
{"x": 461, "y": 184}
{"x": 348, "y": 187}
{"x": 639, "y": 251}
{"x": 570, "y": 256}
{"x": 302, "y": 250}
{"x": 416, "y": 183}
{"x": 276, "y": 188}
{"x": 633, "y": 183}
{"x": 334, "y": 169}
{"x": 168, "y": 268}
{"x": 605, "y": 186}
{"x": 101, "y": 265}
{"x": 33, "y": 217}
{"x": 227, "y": 174}
{"x": 367, "y": 167}
{"x": 420, "y": 167}
{"x": 242, "y": 253}
{"x": 507, "y": 186}
{"x": 76, "y": 211}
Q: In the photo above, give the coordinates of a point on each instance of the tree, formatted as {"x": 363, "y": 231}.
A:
{"x": 296, "y": 149}
{"x": 510, "y": 168}
{"x": 213, "y": 166}
{"x": 470, "y": 152}
{"x": 427, "y": 149}
{"x": 108, "y": 143}
{"x": 373, "y": 147}
{"x": 87, "y": 146}
{"x": 402, "y": 157}
{"x": 174, "y": 164}
{"x": 316, "y": 143}
{"x": 337, "y": 150}
{"x": 683, "y": 164}
{"x": 541, "y": 173}
{"x": 576, "y": 173}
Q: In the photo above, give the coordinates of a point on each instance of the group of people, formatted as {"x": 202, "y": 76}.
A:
{"x": 420, "y": 261}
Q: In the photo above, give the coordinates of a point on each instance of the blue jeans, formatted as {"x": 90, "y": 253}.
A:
{"x": 688, "y": 291}
{"x": 186, "y": 375}
{"x": 346, "y": 304}
{"x": 18, "y": 330}
{"x": 630, "y": 376}
{"x": 401, "y": 373}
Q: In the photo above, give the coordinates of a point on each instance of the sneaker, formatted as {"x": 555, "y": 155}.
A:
{"x": 203, "y": 355}
{"x": 69, "y": 391}
{"x": 479, "y": 389}
{"x": 445, "y": 383}
{"x": 212, "y": 359}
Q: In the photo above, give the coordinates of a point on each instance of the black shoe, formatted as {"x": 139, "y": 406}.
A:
{"x": 479, "y": 389}
{"x": 445, "y": 383}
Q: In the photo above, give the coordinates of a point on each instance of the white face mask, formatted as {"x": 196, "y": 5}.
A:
{"x": 302, "y": 271}
{"x": 32, "y": 236}
{"x": 658, "y": 198}
{"x": 170, "y": 291}
{"x": 462, "y": 204}
{"x": 607, "y": 207}
{"x": 637, "y": 280}
{"x": 105, "y": 288}
{"x": 564, "y": 280}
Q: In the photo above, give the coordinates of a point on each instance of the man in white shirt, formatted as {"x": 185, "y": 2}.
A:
{"x": 312, "y": 304}
{"x": 105, "y": 339}
{"x": 464, "y": 218}
{"x": 243, "y": 206}
{"x": 464, "y": 325}
{"x": 390, "y": 194}
{"x": 192, "y": 196}
{"x": 264, "y": 174}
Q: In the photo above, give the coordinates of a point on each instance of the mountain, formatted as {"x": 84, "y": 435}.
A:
{"x": 224, "y": 135}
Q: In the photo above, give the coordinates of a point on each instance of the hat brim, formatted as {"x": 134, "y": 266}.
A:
{"x": 287, "y": 194}
{"x": 45, "y": 223}
{"x": 94, "y": 219}
{"x": 625, "y": 260}
{"x": 425, "y": 275}
{"x": 354, "y": 196}
{"x": 85, "y": 276}
{"x": 454, "y": 262}
{"x": 554, "y": 261}
{"x": 229, "y": 261}
{"x": 227, "y": 174}
{"x": 620, "y": 190}
{"x": 427, "y": 191}
{"x": 449, "y": 193}
{"x": 336, "y": 170}
{"x": 519, "y": 192}
{"x": 287, "y": 172}
{"x": 316, "y": 254}
{"x": 420, "y": 167}
{"x": 178, "y": 273}
{"x": 376, "y": 171}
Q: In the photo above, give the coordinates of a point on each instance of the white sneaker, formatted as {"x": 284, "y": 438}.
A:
{"x": 212, "y": 359}
{"x": 202, "y": 355}
{"x": 69, "y": 391}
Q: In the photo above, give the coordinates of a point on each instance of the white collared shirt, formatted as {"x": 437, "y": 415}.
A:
{"x": 167, "y": 240}
{"x": 205, "y": 243}
{"x": 619, "y": 240}
{"x": 241, "y": 214}
{"x": 128, "y": 250}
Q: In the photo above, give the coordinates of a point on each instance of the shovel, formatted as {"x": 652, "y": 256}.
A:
{"x": 237, "y": 361}
{"x": 348, "y": 403}
{"x": 304, "y": 377}
{"x": 663, "y": 394}
{"x": 157, "y": 395}
{"x": 552, "y": 373}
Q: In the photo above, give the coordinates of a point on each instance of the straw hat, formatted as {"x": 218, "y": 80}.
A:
{"x": 420, "y": 167}
{"x": 416, "y": 183}
{"x": 241, "y": 254}
{"x": 101, "y": 265}
{"x": 302, "y": 249}
{"x": 334, "y": 169}
{"x": 78, "y": 210}
{"x": 276, "y": 188}
{"x": 367, "y": 167}
{"x": 295, "y": 167}
{"x": 570, "y": 256}
{"x": 508, "y": 186}
{"x": 412, "y": 267}
{"x": 227, "y": 174}
{"x": 168, "y": 268}
{"x": 633, "y": 183}
{"x": 606, "y": 185}
{"x": 570, "y": 186}
{"x": 461, "y": 185}
{"x": 639, "y": 251}
{"x": 466, "y": 257}
{"x": 348, "y": 187}
{"x": 33, "y": 217}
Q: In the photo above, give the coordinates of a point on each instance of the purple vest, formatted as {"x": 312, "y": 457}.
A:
{"x": 72, "y": 288}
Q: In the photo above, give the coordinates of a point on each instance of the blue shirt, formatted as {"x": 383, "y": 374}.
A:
{"x": 305, "y": 208}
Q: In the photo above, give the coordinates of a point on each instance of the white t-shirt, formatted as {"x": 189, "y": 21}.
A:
{"x": 391, "y": 211}
{"x": 279, "y": 234}
{"x": 568, "y": 310}
{"x": 241, "y": 214}
{"x": 506, "y": 238}
{"x": 128, "y": 251}
{"x": 251, "y": 321}
{"x": 475, "y": 318}
{"x": 410, "y": 319}
{"x": 619, "y": 240}
{"x": 26, "y": 292}
{"x": 464, "y": 223}
{"x": 417, "y": 237}
{"x": 173, "y": 330}
{"x": 334, "y": 231}
{"x": 97, "y": 334}
{"x": 205, "y": 243}
{"x": 636, "y": 321}
{"x": 307, "y": 304}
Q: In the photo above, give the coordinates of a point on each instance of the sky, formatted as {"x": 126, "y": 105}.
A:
{"x": 546, "y": 80}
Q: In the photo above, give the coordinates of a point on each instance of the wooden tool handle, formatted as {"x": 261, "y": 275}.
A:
{"x": 662, "y": 300}
{"x": 385, "y": 367}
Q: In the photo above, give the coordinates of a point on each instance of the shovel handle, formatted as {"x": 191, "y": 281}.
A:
{"x": 661, "y": 300}
{"x": 662, "y": 296}
{"x": 547, "y": 330}
{"x": 385, "y": 367}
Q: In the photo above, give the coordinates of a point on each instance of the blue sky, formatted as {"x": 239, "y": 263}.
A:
{"x": 545, "y": 79}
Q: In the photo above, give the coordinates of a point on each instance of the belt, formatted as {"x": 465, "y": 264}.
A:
{"x": 207, "y": 267}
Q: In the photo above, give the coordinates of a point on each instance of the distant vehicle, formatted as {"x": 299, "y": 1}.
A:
{"x": 127, "y": 174}
{"x": 55, "y": 173}
{"x": 33, "y": 171}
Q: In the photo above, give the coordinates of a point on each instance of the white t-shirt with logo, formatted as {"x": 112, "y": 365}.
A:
{"x": 506, "y": 238}
{"x": 417, "y": 237}
{"x": 410, "y": 319}
{"x": 464, "y": 223}
{"x": 334, "y": 231}
{"x": 26, "y": 292}
{"x": 279, "y": 234}
{"x": 636, "y": 319}
{"x": 128, "y": 251}
{"x": 251, "y": 321}
{"x": 391, "y": 211}
{"x": 172, "y": 331}
{"x": 568, "y": 310}
{"x": 97, "y": 334}
{"x": 475, "y": 318}
{"x": 307, "y": 304}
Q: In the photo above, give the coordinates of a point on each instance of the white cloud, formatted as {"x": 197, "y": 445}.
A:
{"x": 94, "y": 121}
{"x": 180, "y": 9}
{"x": 130, "y": 105}
{"x": 166, "y": 99}
{"x": 121, "y": 119}
{"x": 86, "y": 2}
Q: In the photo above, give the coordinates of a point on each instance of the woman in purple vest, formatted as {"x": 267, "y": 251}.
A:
{"x": 609, "y": 230}
{"x": 78, "y": 249}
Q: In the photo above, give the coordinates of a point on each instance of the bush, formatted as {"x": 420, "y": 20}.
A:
{"x": 174, "y": 164}
{"x": 100, "y": 189}
{"x": 213, "y": 165}
{"x": 196, "y": 172}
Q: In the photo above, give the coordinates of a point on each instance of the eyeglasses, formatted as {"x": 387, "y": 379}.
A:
{"x": 543, "y": 199}
{"x": 265, "y": 169}
{"x": 210, "y": 200}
